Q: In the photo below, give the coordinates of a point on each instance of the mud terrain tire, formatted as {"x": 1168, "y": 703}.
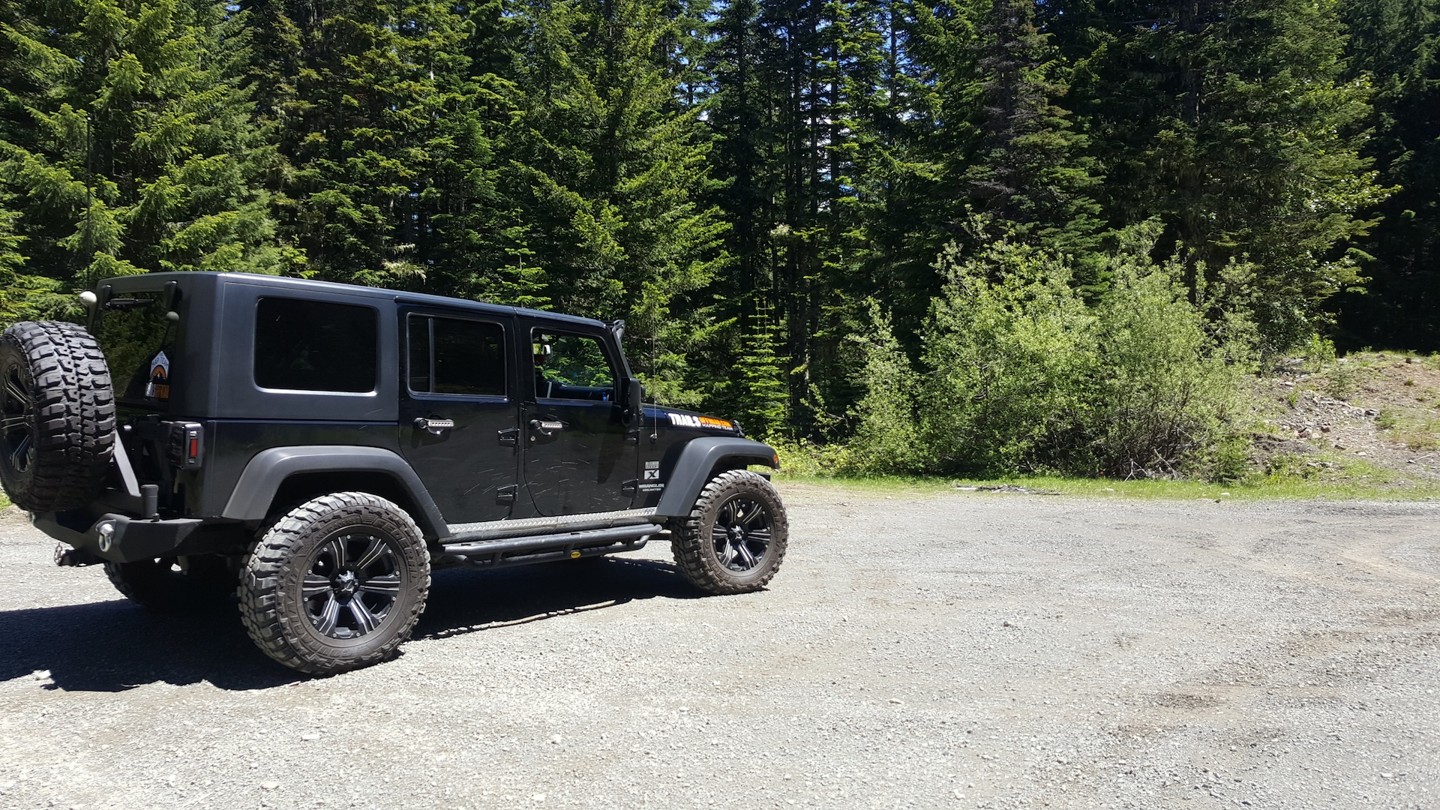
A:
{"x": 336, "y": 584}
{"x": 58, "y": 412}
{"x": 734, "y": 539}
{"x": 168, "y": 585}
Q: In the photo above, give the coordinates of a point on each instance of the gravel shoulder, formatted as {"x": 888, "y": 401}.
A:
{"x": 947, "y": 649}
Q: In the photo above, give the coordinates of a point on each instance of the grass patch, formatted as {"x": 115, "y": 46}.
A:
{"x": 1416, "y": 431}
{"x": 1366, "y": 483}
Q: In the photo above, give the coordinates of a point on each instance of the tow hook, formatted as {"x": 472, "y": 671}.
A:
{"x": 67, "y": 557}
{"x": 106, "y": 532}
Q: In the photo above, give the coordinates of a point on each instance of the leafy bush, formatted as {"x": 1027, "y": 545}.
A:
{"x": 1164, "y": 395}
{"x": 886, "y": 437}
{"x": 1009, "y": 353}
{"x": 804, "y": 459}
{"x": 1018, "y": 374}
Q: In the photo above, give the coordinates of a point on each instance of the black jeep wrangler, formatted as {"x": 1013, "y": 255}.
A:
{"x": 321, "y": 446}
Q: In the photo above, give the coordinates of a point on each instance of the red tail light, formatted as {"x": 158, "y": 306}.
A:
{"x": 187, "y": 445}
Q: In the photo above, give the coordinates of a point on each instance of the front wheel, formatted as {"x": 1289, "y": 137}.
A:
{"x": 734, "y": 539}
{"x": 336, "y": 584}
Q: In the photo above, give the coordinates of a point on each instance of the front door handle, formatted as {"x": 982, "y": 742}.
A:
{"x": 435, "y": 426}
{"x": 546, "y": 427}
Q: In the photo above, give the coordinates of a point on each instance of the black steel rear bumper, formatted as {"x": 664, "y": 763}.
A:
{"x": 116, "y": 537}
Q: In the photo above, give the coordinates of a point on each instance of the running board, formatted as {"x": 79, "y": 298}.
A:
{"x": 464, "y": 533}
{"x": 551, "y": 547}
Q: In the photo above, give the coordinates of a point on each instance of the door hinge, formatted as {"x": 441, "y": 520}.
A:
{"x": 630, "y": 487}
{"x": 506, "y": 494}
{"x": 509, "y": 437}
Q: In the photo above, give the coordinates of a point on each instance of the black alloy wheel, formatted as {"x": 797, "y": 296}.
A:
{"x": 17, "y": 421}
{"x": 174, "y": 584}
{"x": 351, "y": 584}
{"x": 742, "y": 533}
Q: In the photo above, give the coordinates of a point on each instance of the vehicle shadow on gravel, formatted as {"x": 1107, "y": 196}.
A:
{"x": 117, "y": 645}
{"x": 467, "y": 600}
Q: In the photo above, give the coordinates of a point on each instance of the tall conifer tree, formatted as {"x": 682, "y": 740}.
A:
{"x": 390, "y": 152}
{"x": 1031, "y": 173}
{"x": 128, "y": 141}
{"x": 1396, "y": 45}
{"x": 1232, "y": 121}
{"x": 615, "y": 178}
{"x": 741, "y": 117}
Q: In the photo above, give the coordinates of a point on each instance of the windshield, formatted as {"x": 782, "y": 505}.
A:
{"x": 140, "y": 346}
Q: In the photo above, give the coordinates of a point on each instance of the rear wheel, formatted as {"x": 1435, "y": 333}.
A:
{"x": 336, "y": 584}
{"x": 152, "y": 583}
{"x": 57, "y": 415}
{"x": 735, "y": 537}
{"x": 168, "y": 584}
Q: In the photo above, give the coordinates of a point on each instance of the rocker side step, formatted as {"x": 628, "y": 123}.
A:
{"x": 464, "y": 533}
{"x": 548, "y": 547}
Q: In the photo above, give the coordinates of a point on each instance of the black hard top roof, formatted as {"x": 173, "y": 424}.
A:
{"x": 298, "y": 286}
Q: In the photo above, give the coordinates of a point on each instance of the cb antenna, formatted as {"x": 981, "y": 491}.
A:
{"x": 89, "y": 248}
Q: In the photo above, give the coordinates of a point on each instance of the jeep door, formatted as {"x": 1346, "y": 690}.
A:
{"x": 457, "y": 421}
{"x": 578, "y": 456}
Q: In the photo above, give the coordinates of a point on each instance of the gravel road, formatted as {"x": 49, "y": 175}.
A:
{"x": 934, "y": 650}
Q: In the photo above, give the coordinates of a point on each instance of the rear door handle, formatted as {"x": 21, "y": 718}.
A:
{"x": 546, "y": 427}
{"x": 435, "y": 426}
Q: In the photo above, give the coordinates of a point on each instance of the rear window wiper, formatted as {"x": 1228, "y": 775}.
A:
{"x": 127, "y": 303}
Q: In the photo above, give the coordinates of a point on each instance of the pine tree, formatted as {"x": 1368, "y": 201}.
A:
{"x": 798, "y": 110}
{"x": 11, "y": 257}
{"x": 1031, "y": 173}
{"x": 1396, "y": 45}
{"x": 385, "y": 130}
{"x": 124, "y": 129}
{"x": 1233, "y": 122}
{"x": 906, "y": 203}
{"x": 21, "y": 296}
{"x": 759, "y": 398}
{"x": 740, "y": 117}
{"x": 614, "y": 177}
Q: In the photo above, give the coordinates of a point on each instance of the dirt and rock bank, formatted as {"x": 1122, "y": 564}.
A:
{"x": 1368, "y": 415}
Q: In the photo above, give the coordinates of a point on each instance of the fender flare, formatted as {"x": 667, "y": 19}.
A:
{"x": 699, "y": 458}
{"x": 264, "y": 474}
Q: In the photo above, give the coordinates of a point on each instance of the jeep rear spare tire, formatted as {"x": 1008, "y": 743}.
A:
{"x": 734, "y": 539}
{"x": 336, "y": 584}
{"x": 57, "y": 415}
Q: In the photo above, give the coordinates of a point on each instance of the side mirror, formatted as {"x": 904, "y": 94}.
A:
{"x": 634, "y": 402}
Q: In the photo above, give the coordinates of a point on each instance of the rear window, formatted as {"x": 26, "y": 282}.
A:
{"x": 316, "y": 346}
{"x": 140, "y": 347}
{"x": 451, "y": 356}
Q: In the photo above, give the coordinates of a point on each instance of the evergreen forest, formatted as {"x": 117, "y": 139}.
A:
{"x": 936, "y": 236}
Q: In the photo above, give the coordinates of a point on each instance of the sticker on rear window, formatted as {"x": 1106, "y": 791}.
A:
{"x": 159, "y": 385}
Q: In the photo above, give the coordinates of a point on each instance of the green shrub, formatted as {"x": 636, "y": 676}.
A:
{"x": 806, "y": 460}
{"x": 886, "y": 439}
{"x": 1319, "y": 354}
{"x": 1018, "y": 375}
{"x": 1165, "y": 398}
{"x": 1009, "y": 359}
{"x": 1342, "y": 382}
